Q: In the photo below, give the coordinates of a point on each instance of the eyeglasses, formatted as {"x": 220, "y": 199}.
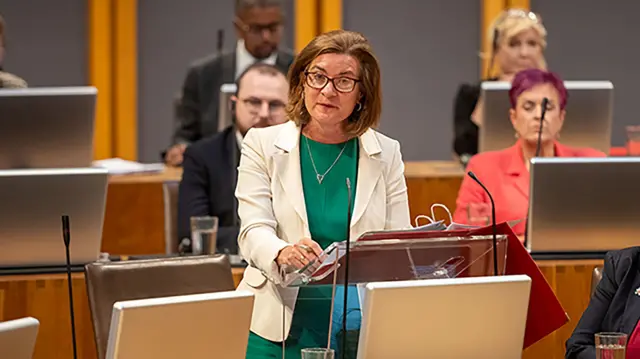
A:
{"x": 258, "y": 29}
{"x": 254, "y": 105}
{"x": 342, "y": 84}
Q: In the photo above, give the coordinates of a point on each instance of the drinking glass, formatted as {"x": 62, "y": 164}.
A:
{"x": 318, "y": 353}
{"x": 478, "y": 214}
{"x": 204, "y": 234}
{"x": 611, "y": 345}
{"x": 633, "y": 140}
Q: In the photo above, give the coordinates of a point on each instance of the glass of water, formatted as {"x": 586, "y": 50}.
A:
{"x": 478, "y": 214}
{"x": 204, "y": 234}
{"x": 611, "y": 345}
{"x": 633, "y": 140}
{"x": 318, "y": 353}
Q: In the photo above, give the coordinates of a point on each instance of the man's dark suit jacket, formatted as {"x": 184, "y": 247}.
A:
{"x": 614, "y": 307}
{"x": 197, "y": 112}
{"x": 207, "y": 187}
{"x": 465, "y": 141}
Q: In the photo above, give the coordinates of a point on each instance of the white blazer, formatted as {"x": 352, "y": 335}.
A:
{"x": 272, "y": 211}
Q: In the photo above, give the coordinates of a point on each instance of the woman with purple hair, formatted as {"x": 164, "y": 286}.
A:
{"x": 506, "y": 172}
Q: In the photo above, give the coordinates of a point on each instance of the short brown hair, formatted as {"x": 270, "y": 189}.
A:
{"x": 339, "y": 42}
{"x": 262, "y": 68}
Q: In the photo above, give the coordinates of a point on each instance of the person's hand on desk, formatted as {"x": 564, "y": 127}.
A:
{"x": 174, "y": 155}
{"x": 300, "y": 254}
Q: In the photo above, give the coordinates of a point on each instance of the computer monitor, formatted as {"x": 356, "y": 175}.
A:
{"x": 210, "y": 325}
{"x": 583, "y": 204}
{"x": 32, "y": 205}
{"x": 18, "y": 338}
{"x": 47, "y": 127}
{"x": 459, "y": 318}
{"x": 225, "y": 115}
{"x": 587, "y": 122}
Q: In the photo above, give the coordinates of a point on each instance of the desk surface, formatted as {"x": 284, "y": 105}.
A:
{"x": 433, "y": 169}
{"x": 169, "y": 174}
{"x": 419, "y": 169}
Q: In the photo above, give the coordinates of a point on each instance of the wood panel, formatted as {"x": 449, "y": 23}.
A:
{"x": 134, "y": 219}
{"x": 134, "y": 215}
{"x": 571, "y": 282}
{"x": 101, "y": 74}
{"x": 125, "y": 79}
{"x": 432, "y": 182}
{"x": 306, "y": 22}
{"x": 45, "y": 297}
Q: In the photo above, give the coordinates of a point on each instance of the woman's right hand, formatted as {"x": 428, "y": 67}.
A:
{"x": 300, "y": 254}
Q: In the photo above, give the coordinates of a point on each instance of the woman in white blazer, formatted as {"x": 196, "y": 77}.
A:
{"x": 292, "y": 192}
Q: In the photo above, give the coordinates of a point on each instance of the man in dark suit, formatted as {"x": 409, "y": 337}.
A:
{"x": 210, "y": 165}
{"x": 259, "y": 26}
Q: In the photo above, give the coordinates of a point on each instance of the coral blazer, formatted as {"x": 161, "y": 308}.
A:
{"x": 505, "y": 175}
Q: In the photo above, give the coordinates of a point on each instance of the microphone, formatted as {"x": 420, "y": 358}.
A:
{"x": 235, "y": 158}
{"x": 66, "y": 236}
{"x": 543, "y": 112}
{"x": 545, "y": 102}
{"x": 220, "y": 42}
{"x": 493, "y": 222}
{"x": 346, "y": 271}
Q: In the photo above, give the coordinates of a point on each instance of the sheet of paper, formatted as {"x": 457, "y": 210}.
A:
{"x": 120, "y": 166}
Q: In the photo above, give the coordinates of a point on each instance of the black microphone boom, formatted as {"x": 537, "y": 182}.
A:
{"x": 346, "y": 271}
{"x": 493, "y": 222}
{"x": 220, "y": 42}
{"x": 543, "y": 112}
{"x": 66, "y": 236}
{"x": 545, "y": 102}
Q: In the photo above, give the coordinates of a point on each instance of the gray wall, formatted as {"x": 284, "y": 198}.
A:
{"x": 171, "y": 35}
{"x": 47, "y": 47}
{"x": 597, "y": 40}
{"x": 426, "y": 49}
{"x": 439, "y": 47}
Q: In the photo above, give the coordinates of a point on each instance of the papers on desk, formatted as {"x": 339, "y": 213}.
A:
{"x": 120, "y": 166}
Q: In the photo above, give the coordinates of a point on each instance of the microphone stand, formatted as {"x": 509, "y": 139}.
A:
{"x": 493, "y": 222}
{"x": 66, "y": 236}
{"x": 343, "y": 350}
{"x": 543, "y": 112}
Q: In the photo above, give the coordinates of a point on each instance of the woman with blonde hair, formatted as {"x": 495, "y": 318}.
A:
{"x": 296, "y": 182}
{"x": 518, "y": 41}
{"x": 7, "y": 80}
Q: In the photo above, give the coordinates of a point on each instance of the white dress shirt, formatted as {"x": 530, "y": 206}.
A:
{"x": 244, "y": 59}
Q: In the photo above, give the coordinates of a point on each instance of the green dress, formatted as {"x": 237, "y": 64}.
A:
{"x": 327, "y": 205}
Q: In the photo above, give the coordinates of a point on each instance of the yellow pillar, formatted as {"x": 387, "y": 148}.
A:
{"x": 520, "y": 4}
{"x": 100, "y": 73}
{"x": 490, "y": 10}
{"x": 125, "y": 104}
{"x": 306, "y": 22}
{"x": 330, "y": 15}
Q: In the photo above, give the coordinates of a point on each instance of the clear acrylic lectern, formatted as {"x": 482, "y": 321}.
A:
{"x": 314, "y": 296}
